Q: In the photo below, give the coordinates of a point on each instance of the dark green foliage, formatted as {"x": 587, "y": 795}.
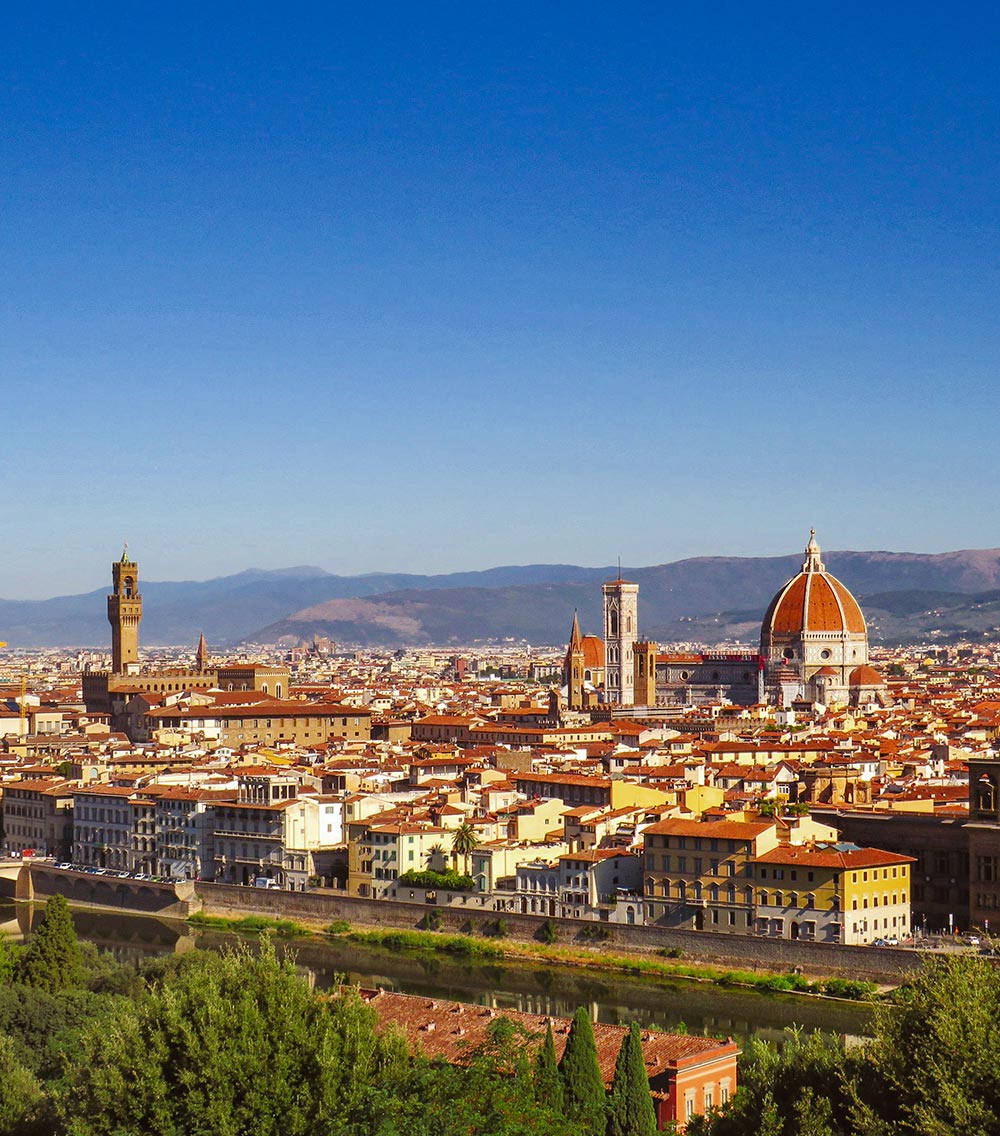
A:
{"x": 937, "y": 1053}
{"x": 52, "y": 959}
{"x": 630, "y": 1104}
{"x": 584, "y": 1098}
{"x": 433, "y": 920}
{"x": 21, "y": 1095}
{"x": 547, "y": 1081}
{"x": 448, "y": 880}
{"x": 803, "y": 1087}
{"x": 547, "y": 933}
{"x": 44, "y": 1027}
{"x": 227, "y": 1044}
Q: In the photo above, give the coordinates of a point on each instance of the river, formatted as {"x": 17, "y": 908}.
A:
{"x": 667, "y": 1004}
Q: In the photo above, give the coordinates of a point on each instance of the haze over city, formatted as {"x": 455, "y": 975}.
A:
{"x": 435, "y": 289}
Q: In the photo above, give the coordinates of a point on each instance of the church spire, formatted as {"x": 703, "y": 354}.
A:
{"x": 201, "y": 657}
{"x": 575, "y": 638}
{"x": 812, "y": 562}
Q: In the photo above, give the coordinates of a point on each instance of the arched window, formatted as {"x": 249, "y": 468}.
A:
{"x": 613, "y": 623}
{"x": 665, "y": 887}
{"x": 713, "y": 892}
{"x": 793, "y": 900}
{"x": 762, "y": 899}
{"x": 681, "y": 890}
{"x": 696, "y": 890}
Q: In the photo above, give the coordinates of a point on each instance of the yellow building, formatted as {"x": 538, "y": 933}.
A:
{"x": 379, "y": 853}
{"x": 833, "y": 894}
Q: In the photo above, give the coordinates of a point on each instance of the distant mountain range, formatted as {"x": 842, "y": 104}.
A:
{"x": 907, "y": 597}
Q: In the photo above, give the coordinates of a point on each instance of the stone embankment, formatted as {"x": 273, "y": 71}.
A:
{"x": 324, "y": 906}
{"x": 745, "y": 952}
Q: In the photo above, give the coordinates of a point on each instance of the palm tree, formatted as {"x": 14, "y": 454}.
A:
{"x": 463, "y": 843}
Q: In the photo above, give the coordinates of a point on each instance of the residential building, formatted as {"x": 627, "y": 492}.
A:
{"x": 38, "y": 817}
{"x": 832, "y": 894}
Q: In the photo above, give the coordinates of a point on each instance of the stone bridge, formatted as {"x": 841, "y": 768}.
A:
{"x": 32, "y": 880}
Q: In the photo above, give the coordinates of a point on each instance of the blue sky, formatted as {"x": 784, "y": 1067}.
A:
{"x": 438, "y": 287}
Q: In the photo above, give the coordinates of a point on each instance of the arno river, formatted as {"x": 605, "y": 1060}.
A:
{"x": 702, "y": 1008}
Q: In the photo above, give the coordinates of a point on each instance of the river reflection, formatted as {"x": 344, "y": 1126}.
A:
{"x": 698, "y": 1007}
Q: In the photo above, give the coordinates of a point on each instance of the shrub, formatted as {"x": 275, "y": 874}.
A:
{"x": 433, "y": 920}
{"x": 671, "y": 952}
{"x": 338, "y": 927}
{"x": 547, "y": 932}
{"x": 448, "y": 880}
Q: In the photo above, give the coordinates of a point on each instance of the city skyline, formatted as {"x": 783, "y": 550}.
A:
{"x": 455, "y": 289}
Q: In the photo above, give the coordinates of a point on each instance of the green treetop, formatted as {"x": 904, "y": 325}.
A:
{"x": 52, "y": 959}
{"x": 584, "y": 1098}
{"x": 548, "y": 1083}
{"x": 630, "y": 1105}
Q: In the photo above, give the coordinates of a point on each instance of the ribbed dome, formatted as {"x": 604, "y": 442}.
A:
{"x": 866, "y": 676}
{"x": 813, "y": 601}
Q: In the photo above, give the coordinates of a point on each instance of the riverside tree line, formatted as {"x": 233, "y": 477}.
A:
{"x": 236, "y": 1043}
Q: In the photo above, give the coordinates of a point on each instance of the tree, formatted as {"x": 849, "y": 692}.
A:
{"x": 230, "y": 1044}
{"x": 584, "y": 1098}
{"x": 630, "y": 1105}
{"x": 936, "y": 1053}
{"x": 547, "y": 1082}
{"x": 20, "y": 1092}
{"x": 463, "y": 843}
{"x": 52, "y": 959}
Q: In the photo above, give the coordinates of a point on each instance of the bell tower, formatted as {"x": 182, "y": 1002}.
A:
{"x": 621, "y": 619}
{"x": 124, "y": 614}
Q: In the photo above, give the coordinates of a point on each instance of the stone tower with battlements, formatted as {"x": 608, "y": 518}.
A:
{"x": 644, "y": 692}
{"x": 124, "y": 615}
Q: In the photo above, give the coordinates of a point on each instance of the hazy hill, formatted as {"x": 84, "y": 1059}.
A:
{"x": 706, "y": 599}
{"x": 905, "y": 596}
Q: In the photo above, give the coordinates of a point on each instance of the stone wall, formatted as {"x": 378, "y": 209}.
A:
{"x": 176, "y": 900}
{"x": 876, "y": 964}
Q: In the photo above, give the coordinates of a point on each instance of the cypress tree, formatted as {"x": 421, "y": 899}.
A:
{"x": 547, "y": 1082}
{"x": 52, "y": 959}
{"x": 584, "y": 1098}
{"x": 630, "y": 1106}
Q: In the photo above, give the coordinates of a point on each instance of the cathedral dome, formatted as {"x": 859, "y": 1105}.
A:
{"x": 812, "y": 601}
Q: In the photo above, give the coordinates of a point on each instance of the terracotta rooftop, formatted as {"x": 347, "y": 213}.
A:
{"x": 452, "y": 1030}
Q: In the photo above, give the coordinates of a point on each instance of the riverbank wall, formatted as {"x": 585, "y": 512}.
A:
{"x": 174, "y": 901}
{"x": 743, "y": 952}
{"x": 325, "y": 906}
